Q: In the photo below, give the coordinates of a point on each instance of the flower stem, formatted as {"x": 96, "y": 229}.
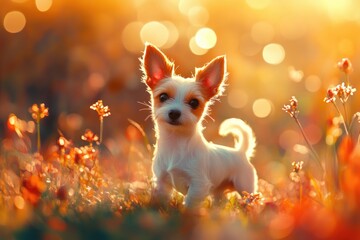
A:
{"x": 342, "y": 118}
{"x": 345, "y": 113}
{"x": 101, "y": 128}
{"x": 347, "y": 79}
{"x": 300, "y": 192}
{"x": 308, "y": 143}
{"x": 38, "y": 136}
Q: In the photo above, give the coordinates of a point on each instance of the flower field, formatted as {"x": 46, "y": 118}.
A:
{"x": 77, "y": 135}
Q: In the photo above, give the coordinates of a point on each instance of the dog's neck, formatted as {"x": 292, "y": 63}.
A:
{"x": 177, "y": 138}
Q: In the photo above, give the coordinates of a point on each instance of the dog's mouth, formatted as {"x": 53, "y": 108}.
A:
{"x": 174, "y": 122}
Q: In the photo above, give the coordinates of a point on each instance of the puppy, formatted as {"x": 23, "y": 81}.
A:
{"x": 183, "y": 158}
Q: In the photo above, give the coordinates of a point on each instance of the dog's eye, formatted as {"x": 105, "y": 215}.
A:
{"x": 163, "y": 97}
{"x": 194, "y": 103}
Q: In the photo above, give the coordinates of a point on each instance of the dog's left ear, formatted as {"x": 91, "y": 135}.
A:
{"x": 155, "y": 65}
{"x": 211, "y": 76}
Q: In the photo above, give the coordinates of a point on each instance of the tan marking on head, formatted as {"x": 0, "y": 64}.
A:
{"x": 198, "y": 112}
{"x": 164, "y": 87}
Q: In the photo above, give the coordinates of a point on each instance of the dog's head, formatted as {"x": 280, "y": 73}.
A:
{"x": 176, "y": 101}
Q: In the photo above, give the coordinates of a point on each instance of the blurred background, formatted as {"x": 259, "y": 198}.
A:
{"x": 68, "y": 54}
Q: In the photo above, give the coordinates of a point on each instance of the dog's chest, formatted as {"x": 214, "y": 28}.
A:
{"x": 177, "y": 167}
{"x": 180, "y": 180}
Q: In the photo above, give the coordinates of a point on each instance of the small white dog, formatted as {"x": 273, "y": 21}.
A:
{"x": 183, "y": 158}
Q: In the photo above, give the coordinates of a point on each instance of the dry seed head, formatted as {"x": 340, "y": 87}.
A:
{"x": 292, "y": 108}
{"x": 345, "y": 65}
{"x": 344, "y": 92}
{"x": 89, "y": 136}
{"x": 297, "y": 166}
{"x": 103, "y": 111}
{"x": 39, "y": 111}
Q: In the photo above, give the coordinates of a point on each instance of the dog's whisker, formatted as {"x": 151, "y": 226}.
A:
{"x": 149, "y": 116}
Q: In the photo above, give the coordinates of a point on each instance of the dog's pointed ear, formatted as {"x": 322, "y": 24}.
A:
{"x": 212, "y": 76}
{"x": 155, "y": 66}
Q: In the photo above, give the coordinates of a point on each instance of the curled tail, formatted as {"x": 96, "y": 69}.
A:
{"x": 245, "y": 140}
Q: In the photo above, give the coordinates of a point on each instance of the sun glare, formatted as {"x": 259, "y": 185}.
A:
{"x": 206, "y": 38}
{"x": 14, "y": 22}
{"x": 43, "y": 5}
{"x": 274, "y": 53}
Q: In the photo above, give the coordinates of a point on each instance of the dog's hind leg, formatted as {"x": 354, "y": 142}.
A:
{"x": 246, "y": 180}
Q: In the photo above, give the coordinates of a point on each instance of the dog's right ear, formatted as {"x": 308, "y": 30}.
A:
{"x": 155, "y": 66}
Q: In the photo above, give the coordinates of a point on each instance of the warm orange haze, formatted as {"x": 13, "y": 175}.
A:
{"x": 77, "y": 137}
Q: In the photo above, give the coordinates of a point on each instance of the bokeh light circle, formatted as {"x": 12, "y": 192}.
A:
{"x": 155, "y": 33}
{"x": 195, "y": 48}
{"x": 14, "y": 21}
{"x": 273, "y": 53}
{"x": 262, "y": 107}
{"x": 43, "y": 5}
{"x": 198, "y": 16}
{"x": 313, "y": 83}
{"x": 173, "y": 34}
{"x": 131, "y": 38}
{"x": 205, "y": 38}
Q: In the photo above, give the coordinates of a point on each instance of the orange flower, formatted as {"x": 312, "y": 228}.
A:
{"x": 32, "y": 189}
{"x": 63, "y": 142}
{"x": 39, "y": 112}
{"x": 20, "y": 126}
{"x": 292, "y": 109}
{"x": 344, "y": 92}
{"x": 103, "y": 111}
{"x": 331, "y": 95}
{"x": 345, "y": 65}
{"x": 89, "y": 136}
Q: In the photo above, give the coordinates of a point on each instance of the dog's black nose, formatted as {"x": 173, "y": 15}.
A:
{"x": 174, "y": 115}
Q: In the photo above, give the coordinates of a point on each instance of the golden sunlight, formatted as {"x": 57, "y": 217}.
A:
{"x": 262, "y": 107}
{"x": 195, "y": 48}
{"x": 131, "y": 38}
{"x": 43, "y": 5}
{"x": 206, "y": 38}
{"x": 198, "y": 16}
{"x": 155, "y": 33}
{"x": 273, "y": 53}
{"x": 14, "y": 22}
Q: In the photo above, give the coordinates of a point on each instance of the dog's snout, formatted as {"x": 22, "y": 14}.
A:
{"x": 174, "y": 114}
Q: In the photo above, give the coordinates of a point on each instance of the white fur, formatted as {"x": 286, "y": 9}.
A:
{"x": 183, "y": 158}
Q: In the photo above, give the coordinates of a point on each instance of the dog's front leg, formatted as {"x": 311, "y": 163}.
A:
{"x": 198, "y": 190}
{"x": 162, "y": 190}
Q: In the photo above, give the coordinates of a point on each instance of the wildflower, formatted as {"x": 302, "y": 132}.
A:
{"x": 39, "y": 112}
{"x": 63, "y": 142}
{"x": 331, "y": 95}
{"x": 20, "y": 126}
{"x": 295, "y": 175}
{"x": 292, "y": 108}
{"x": 103, "y": 111}
{"x": 32, "y": 188}
{"x": 345, "y": 65}
{"x": 344, "y": 92}
{"x": 297, "y": 166}
{"x": 251, "y": 199}
{"x": 89, "y": 136}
